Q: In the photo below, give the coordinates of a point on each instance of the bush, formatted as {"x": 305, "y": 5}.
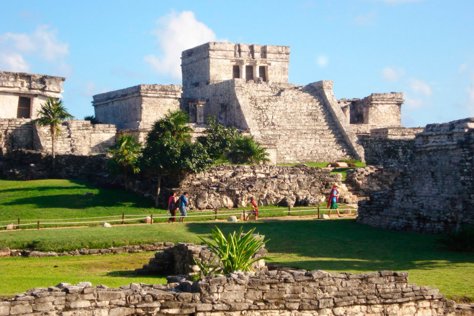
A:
{"x": 245, "y": 150}
{"x": 236, "y": 251}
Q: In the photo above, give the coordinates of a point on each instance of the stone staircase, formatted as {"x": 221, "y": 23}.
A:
{"x": 294, "y": 122}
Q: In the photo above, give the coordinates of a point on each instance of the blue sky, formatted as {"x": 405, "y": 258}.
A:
{"x": 424, "y": 48}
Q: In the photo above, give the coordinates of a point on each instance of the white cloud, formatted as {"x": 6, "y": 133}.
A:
{"x": 51, "y": 49}
{"x": 13, "y": 62}
{"x": 176, "y": 32}
{"x": 322, "y": 61}
{"x": 420, "y": 87}
{"x": 15, "y": 48}
{"x": 392, "y": 74}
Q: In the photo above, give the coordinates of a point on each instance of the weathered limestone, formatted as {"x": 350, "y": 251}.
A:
{"x": 274, "y": 292}
{"x": 76, "y": 137}
{"x": 232, "y": 186}
{"x": 138, "y": 107}
{"x": 435, "y": 190}
{"x": 22, "y": 94}
{"x": 392, "y": 146}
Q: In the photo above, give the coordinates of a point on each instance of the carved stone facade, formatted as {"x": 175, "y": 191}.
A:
{"x": 23, "y": 94}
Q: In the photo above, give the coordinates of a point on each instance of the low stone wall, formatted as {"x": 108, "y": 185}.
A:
{"x": 435, "y": 192}
{"x": 274, "y": 292}
{"x": 29, "y": 165}
{"x": 181, "y": 260}
{"x": 231, "y": 186}
{"x": 7, "y": 252}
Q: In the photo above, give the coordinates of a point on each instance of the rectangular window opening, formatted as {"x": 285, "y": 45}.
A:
{"x": 24, "y": 107}
{"x": 249, "y": 72}
{"x": 236, "y": 72}
{"x": 262, "y": 73}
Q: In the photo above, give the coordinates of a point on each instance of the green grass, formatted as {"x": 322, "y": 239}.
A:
{"x": 337, "y": 245}
{"x": 110, "y": 270}
{"x": 66, "y": 199}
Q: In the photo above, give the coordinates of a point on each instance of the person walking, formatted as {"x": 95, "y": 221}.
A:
{"x": 333, "y": 199}
{"x": 183, "y": 203}
{"x": 172, "y": 207}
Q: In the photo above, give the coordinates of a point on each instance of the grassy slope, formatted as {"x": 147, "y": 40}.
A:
{"x": 46, "y": 199}
{"x": 340, "y": 245}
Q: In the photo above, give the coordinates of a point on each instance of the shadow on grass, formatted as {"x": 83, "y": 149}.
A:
{"x": 345, "y": 245}
{"x": 75, "y": 196}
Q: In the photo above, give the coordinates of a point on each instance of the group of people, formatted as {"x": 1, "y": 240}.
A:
{"x": 181, "y": 203}
{"x": 178, "y": 203}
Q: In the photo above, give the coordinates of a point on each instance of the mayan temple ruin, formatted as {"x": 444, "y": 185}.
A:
{"x": 422, "y": 171}
{"x": 246, "y": 86}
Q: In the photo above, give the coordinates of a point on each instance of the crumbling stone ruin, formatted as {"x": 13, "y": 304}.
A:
{"x": 434, "y": 190}
{"x": 22, "y": 94}
{"x": 273, "y": 292}
{"x": 246, "y": 86}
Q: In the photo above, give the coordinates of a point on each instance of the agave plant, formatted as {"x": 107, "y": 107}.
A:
{"x": 236, "y": 251}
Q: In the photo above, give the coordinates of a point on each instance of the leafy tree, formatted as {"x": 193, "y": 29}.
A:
{"x": 52, "y": 114}
{"x": 218, "y": 139}
{"x": 245, "y": 149}
{"x": 124, "y": 156}
{"x": 169, "y": 150}
{"x": 236, "y": 251}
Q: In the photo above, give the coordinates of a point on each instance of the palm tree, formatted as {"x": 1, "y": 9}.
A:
{"x": 52, "y": 114}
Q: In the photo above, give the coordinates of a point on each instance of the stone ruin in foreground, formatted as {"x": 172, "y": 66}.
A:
{"x": 281, "y": 291}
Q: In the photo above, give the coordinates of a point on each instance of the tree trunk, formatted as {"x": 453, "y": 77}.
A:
{"x": 158, "y": 191}
{"x": 53, "y": 149}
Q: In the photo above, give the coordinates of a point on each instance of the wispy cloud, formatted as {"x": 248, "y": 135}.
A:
{"x": 176, "y": 32}
{"x": 17, "y": 48}
{"x": 322, "y": 61}
{"x": 420, "y": 87}
{"x": 392, "y": 73}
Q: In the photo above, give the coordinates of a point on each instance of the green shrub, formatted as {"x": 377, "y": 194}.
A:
{"x": 236, "y": 251}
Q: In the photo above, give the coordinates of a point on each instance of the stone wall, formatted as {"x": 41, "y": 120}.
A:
{"x": 76, "y": 138}
{"x": 232, "y": 186}
{"x": 15, "y": 134}
{"x": 34, "y": 89}
{"x": 138, "y": 107}
{"x": 393, "y": 146}
{"x": 30, "y": 165}
{"x": 435, "y": 191}
{"x": 275, "y": 292}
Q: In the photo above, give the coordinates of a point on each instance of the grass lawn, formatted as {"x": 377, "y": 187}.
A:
{"x": 336, "y": 245}
{"x": 59, "y": 202}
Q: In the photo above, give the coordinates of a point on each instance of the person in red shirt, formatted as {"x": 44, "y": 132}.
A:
{"x": 254, "y": 204}
{"x": 172, "y": 207}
